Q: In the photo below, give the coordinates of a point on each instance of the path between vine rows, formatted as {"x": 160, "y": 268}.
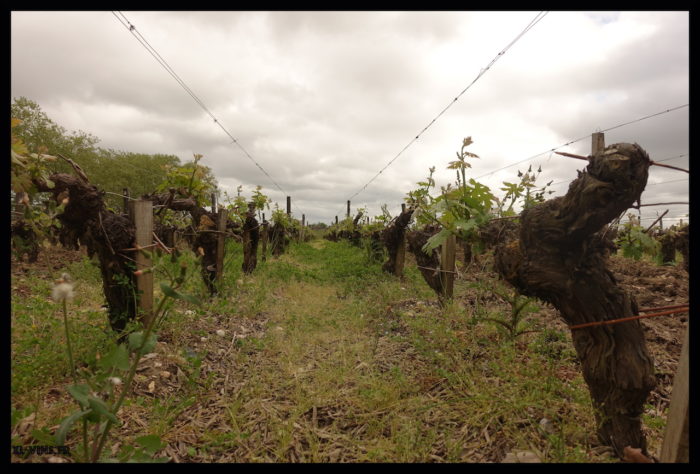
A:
{"x": 284, "y": 384}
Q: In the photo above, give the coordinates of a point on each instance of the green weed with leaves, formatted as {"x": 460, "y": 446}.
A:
{"x": 514, "y": 323}
{"x": 525, "y": 191}
{"x": 102, "y": 392}
{"x": 634, "y": 242}
{"x": 459, "y": 210}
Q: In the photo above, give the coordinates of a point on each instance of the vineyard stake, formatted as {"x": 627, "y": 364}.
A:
{"x": 289, "y": 205}
{"x": 125, "y": 194}
{"x": 654, "y": 223}
{"x": 221, "y": 240}
{"x": 675, "y": 446}
{"x": 142, "y": 212}
{"x": 598, "y": 142}
{"x": 447, "y": 265}
{"x": 263, "y": 237}
{"x": 348, "y": 208}
{"x": 400, "y": 257}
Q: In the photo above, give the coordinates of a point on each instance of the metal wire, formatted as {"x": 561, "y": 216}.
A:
{"x": 532, "y": 23}
{"x": 142, "y": 40}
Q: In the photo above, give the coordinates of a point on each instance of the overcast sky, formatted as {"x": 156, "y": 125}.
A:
{"x": 324, "y": 100}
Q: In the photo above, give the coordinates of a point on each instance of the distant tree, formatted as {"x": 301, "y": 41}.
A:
{"x": 109, "y": 170}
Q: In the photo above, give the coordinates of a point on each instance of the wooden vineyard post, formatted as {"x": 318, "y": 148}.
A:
{"x": 213, "y": 202}
{"x": 675, "y": 447}
{"x": 400, "y": 257}
{"x": 447, "y": 266}
{"x": 289, "y": 205}
{"x": 220, "y": 243}
{"x": 403, "y": 207}
{"x": 125, "y": 195}
{"x": 303, "y": 223}
{"x": 263, "y": 236}
{"x": 348, "y": 208}
{"x": 336, "y": 220}
{"x": 142, "y": 212}
{"x": 598, "y": 142}
{"x": 251, "y": 236}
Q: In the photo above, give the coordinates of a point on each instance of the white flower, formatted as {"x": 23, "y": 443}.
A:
{"x": 220, "y": 332}
{"x": 63, "y": 290}
{"x": 115, "y": 380}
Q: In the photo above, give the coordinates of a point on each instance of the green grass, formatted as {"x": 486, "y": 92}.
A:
{"x": 334, "y": 361}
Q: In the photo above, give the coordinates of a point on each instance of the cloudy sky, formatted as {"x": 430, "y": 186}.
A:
{"x": 324, "y": 100}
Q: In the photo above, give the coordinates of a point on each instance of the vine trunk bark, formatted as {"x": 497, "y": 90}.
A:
{"x": 560, "y": 257}
{"x": 393, "y": 237}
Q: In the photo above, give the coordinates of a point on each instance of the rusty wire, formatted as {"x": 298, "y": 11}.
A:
{"x": 685, "y": 309}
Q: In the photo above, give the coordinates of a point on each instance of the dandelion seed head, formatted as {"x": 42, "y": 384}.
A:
{"x": 62, "y": 291}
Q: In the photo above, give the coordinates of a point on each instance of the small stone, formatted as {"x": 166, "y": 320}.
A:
{"x": 165, "y": 374}
{"x": 55, "y": 460}
{"x": 521, "y": 457}
{"x": 203, "y": 339}
{"x": 151, "y": 387}
{"x": 547, "y": 426}
{"x": 220, "y": 332}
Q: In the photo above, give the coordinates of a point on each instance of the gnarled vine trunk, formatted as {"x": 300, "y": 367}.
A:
{"x": 278, "y": 240}
{"x": 394, "y": 239}
{"x": 428, "y": 264}
{"x": 203, "y": 226}
{"x": 560, "y": 257}
{"x": 251, "y": 236}
{"x": 106, "y": 234}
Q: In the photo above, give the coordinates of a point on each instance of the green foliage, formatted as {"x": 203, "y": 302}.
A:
{"x": 524, "y": 192}
{"x": 635, "y": 243}
{"x": 281, "y": 218}
{"x": 514, "y": 323}
{"x": 191, "y": 180}
{"x": 239, "y": 205}
{"x": 143, "y": 452}
{"x": 98, "y": 403}
{"x": 458, "y": 210}
{"x": 107, "y": 169}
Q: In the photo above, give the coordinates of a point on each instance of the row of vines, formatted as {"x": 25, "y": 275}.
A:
{"x": 554, "y": 251}
{"x": 77, "y": 214}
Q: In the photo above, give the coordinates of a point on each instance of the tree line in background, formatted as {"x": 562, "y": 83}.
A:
{"x": 110, "y": 170}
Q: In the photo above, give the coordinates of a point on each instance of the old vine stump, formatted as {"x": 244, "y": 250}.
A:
{"x": 251, "y": 236}
{"x": 428, "y": 264}
{"x": 394, "y": 240}
{"x": 560, "y": 257}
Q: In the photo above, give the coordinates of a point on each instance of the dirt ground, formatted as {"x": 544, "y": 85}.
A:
{"x": 652, "y": 286}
